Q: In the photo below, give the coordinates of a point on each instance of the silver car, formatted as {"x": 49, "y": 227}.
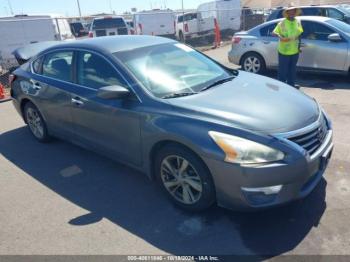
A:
{"x": 324, "y": 45}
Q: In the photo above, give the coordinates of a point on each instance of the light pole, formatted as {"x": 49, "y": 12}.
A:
{"x": 79, "y": 8}
{"x": 10, "y": 7}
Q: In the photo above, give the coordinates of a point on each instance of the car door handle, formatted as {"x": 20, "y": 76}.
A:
{"x": 266, "y": 42}
{"x": 303, "y": 45}
{"x": 76, "y": 101}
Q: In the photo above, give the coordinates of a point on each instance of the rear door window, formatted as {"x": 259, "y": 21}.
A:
{"x": 312, "y": 11}
{"x": 58, "y": 65}
{"x": 268, "y": 30}
{"x": 95, "y": 72}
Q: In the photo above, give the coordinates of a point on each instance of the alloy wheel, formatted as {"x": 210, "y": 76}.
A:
{"x": 181, "y": 180}
{"x": 35, "y": 123}
{"x": 252, "y": 64}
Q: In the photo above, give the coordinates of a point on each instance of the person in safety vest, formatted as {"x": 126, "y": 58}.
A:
{"x": 288, "y": 31}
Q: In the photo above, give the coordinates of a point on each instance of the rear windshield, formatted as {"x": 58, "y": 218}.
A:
{"x": 108, "y": 23}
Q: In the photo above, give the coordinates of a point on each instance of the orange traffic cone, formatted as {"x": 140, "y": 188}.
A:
{"x": 217, "y": 34}
{"x": 2, "y": 92}
{"x": 3, "y": 96}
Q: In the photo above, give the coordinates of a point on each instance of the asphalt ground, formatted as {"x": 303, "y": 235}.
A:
{"x": 59, "y": 199}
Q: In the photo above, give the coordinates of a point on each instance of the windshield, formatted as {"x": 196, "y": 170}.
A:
{"x": 108, "y": 23}
{"x": 172, "y": 68}
{"x": 345, "y": 8}
{"x": 339, "y": 25}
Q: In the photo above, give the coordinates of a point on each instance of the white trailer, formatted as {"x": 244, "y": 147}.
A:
{"x": 227, "y": 13}
{"x": 155, "y": 22}
{"x": 19, "y": 31}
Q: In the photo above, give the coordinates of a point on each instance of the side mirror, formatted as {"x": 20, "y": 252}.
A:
{"x": 334, "y": 37}
{"x": 113, "y": 92}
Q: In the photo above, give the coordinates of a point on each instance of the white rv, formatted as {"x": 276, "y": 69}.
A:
{"x": 18, "y": 31}
{"x": 155, "y": 22}
{"x": 227, "y": 13}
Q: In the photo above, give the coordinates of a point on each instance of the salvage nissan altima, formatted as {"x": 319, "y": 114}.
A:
{"x": 206, "y": 133}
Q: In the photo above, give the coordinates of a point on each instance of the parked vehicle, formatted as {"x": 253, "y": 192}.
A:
{"x": 182, "y": 118}
{"x": 155, "y": 22}
{"x": 324, "y": 43}
{"x": 227, "y": 13}
{"x": 188, "y": 26}
{"x": 131, "y": 26}
{"x": 78, "y": 29}
{"x": 21, "y": 30}
{"x": 108, "y": 26}
{"x": 338, "y": 12}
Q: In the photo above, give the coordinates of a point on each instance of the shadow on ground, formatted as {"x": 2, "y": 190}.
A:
{"x": 131, "y": 201}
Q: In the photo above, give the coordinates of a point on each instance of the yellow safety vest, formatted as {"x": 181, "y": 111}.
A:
{"x": 289, "y": 29}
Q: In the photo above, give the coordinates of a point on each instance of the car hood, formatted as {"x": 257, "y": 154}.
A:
{"x": 252, "y": 102}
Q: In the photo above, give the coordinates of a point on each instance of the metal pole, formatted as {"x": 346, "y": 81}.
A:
{"x": 183, "y": 20}
{"x": 10, "y": 7}
{"x": 79, "y": 8}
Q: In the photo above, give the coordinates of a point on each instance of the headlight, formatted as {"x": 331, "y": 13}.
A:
{"x": 242, "y": 151}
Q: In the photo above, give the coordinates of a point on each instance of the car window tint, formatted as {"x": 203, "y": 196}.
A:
{"x": 268, "y": 30}
{"x": 334, "y": 13}
{"x": 95, "y": 72}
{"x": 180, "y": 19}
{"x": 58, "y": 65}
{"x": 312, "y": 11}
{"x": 316, "y": 31}
{"x": 37, "y": 65}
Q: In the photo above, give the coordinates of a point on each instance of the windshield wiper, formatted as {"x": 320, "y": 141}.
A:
{"x": 174, "y": 95}
{"x": 218, "y": 82}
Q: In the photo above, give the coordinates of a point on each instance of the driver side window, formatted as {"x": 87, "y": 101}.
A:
{"x": 95, "y": 72}
{"x": 316, "y": 31}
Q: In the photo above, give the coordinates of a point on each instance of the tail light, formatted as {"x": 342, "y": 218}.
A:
{"x": 12, "y": 78}
{"x": 132, "y": 31}
{"x": 91, "y": 34}
{"x": 186, "y": 28}
{"x": 236, "y": 40}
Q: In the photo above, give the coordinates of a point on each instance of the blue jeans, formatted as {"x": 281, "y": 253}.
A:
{"x": 287, "y": 68}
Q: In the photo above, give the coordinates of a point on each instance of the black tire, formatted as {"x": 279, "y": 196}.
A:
{"x": 252, "y": 57}
{"x": 206, "y": 197}
{"x": 181, "y": 37}
{"x": 29, "y": 109}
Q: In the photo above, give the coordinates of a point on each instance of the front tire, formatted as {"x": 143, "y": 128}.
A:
{"x": 253, "y": 63}
{"x": 36, "y": 122}
{"x": 184, "y": 178}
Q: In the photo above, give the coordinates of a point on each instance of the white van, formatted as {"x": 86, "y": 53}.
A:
{"x": 18, "y": 31}
{"x": 227, "y": 13}
{"x": 189, "y": 26}
{"x": 155, "y": 22}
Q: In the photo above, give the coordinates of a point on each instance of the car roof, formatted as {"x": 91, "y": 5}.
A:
{"x": 113, "y": 44}
{"x": 108, "y": 17}
{"x": 303, "y": 18}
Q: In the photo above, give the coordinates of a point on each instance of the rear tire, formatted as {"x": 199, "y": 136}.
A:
{"x": 36, "y": 123}
{"x": 181, "y": 37}
{"x": 184, "y": 178}
{"x": 253, "y": 63}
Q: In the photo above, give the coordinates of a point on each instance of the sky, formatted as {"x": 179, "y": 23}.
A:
{"x": 69, "y": 7}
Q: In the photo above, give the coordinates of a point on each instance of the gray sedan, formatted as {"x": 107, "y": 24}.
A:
{"x": 207, "y": 134}
{"x": 324, "y": 45}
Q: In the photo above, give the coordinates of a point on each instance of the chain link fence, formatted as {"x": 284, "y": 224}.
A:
{"x": 194, "y": 27}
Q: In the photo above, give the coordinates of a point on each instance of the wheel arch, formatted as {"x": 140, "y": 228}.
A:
{"x": 164, "y": 143}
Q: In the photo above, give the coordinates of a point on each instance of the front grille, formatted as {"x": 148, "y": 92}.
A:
{"x": 312, "y": 140}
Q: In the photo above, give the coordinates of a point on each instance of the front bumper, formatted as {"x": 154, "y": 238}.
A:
{"x": 235, "y": 184}
{"x": 234, "y": 56}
